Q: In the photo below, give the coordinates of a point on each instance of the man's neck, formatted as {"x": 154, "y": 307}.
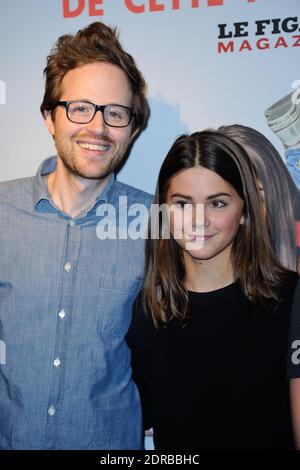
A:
{"x": 73, "y": 194}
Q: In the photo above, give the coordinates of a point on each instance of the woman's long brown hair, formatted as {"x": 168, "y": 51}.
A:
{"x": 255, "y": 266}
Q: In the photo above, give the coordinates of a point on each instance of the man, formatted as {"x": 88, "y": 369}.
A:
{"x": 66, "y": 293}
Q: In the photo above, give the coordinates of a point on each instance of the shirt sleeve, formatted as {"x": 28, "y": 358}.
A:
{"x": 293, "y": 366}
{"x": 293, "y": 164}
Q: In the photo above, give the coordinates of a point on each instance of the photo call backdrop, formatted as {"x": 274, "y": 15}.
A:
{"x": 207, "y": 63}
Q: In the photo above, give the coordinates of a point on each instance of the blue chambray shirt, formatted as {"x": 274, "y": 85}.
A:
{"x": 293, "y": 164}
{"x": 65, "y": 307}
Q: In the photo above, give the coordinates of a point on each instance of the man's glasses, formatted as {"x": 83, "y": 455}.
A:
{"x": 83, "y": 112}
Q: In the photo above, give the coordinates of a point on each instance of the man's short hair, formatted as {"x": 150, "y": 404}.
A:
{"x": 95, "y": 43}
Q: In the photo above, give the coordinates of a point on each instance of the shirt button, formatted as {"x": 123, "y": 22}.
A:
{"x": 51, "y": 410}
{"x": 72, "y": 223}
{"x": 56, "y": 362}
{"x": 62, "y": 314}
{"x": 67, "y": 266}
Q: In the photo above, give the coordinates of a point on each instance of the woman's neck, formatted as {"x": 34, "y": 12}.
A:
{"x": 208, "y": 275}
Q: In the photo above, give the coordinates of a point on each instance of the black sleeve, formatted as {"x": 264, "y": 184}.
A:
{"x": 294, "y": 339}
{"x": 136, "y": 339}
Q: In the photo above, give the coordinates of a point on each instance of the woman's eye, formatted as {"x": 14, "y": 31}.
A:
{"x": 182, "y": 204}
{"x": 217, "y": 204}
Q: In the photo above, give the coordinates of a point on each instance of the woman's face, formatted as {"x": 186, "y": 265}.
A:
{"x": 207, "y": 212}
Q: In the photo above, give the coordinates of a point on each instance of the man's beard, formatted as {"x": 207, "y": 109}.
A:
{"x": 68, "y": 159}
{"x": 75, "y": 171}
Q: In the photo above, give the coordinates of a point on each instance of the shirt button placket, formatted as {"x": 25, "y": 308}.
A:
{"x": 62, "y": 314}
{"x": 57, "y": 362}
{"x": 56, "y": 404}
{"x": 51, "y": 410}
{"x": 67, "y": 267}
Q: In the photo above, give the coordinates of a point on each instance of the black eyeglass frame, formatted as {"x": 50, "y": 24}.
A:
{"x": 97, "y": 107}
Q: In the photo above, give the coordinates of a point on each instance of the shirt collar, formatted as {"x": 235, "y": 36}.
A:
{"x": 41, "y": 192}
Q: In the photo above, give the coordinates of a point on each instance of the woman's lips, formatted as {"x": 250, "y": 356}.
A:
{"x": 199, "y": 237}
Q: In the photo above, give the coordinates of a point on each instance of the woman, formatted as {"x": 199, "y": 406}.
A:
{"x": 210, "y": 327}
{"x": 279, "y": 191}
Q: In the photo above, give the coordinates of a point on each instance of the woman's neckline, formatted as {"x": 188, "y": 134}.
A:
{"x": 219, "y": 289}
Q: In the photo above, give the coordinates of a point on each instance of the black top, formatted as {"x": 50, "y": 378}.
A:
{"x": 219, "y": 382}
{"x": 294, "y": 344}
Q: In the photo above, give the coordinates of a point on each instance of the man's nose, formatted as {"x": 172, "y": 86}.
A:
{"x": 97, "y": 124}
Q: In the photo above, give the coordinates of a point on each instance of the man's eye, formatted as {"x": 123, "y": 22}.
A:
{"x": 115, "y": 115}
{"x": 81, "y": 109}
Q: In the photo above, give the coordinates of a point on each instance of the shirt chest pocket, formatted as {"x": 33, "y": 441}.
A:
{"x": 116, "y": 297}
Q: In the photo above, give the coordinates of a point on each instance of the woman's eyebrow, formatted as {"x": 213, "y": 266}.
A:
{"x": 212, "y": 196}
{"x": 181, "y": 195}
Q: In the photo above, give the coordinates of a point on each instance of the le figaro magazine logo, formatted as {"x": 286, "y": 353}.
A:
{"x": 259, "y": 35}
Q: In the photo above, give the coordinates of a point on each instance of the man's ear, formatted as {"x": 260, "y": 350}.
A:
{"x": 135, "y": 132}
{"x": 49, "y": 122}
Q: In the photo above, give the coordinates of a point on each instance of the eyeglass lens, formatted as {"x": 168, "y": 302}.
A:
{"x": 114, "y": 115}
